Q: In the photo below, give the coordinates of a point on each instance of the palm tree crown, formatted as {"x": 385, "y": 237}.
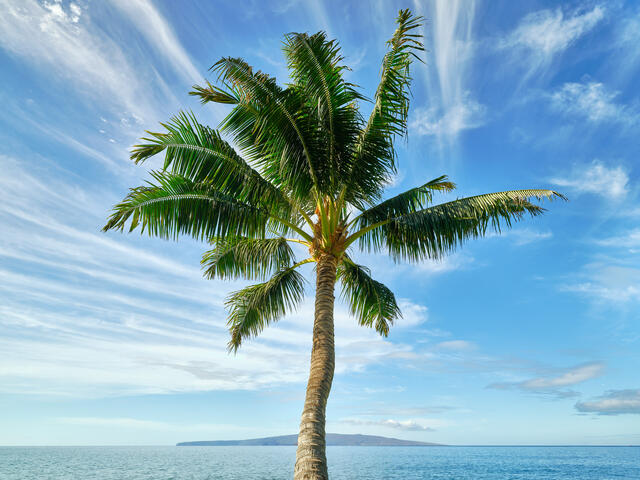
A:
{"x": 312, "y": 171}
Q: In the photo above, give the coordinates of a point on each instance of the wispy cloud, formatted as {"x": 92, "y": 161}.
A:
{"x": 384, "y": 409}
{"x": 119, "y": 423}
{"x": 593, "y": 102}
{"x": 464, "y": 115}
{"x": 630, "y": 239}
{"x": 406, "y": 425}
{"x": 610, "y": 281}
{"x": 89, "y": 314}
{"x": 450, "y": 263}
{"x": 625, "y": 54}
{"x": 116, "y": 422}
{"x": 159, "y": 34}
{"x": 613, "y": 402}
{"x": 554, "y": 384}
{"x": 541, "y": 36}
{"x": 595, "y": 178}
{"x": 67, "y": 44}
{"x": 456, "y": 345}
{"x": 450, "y": 43}
{"x": 523, "y": 236}
{"x": 412, "y": 313}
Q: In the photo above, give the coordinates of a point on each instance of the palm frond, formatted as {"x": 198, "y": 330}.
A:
{"x": 271, "y": 125}
{"x": 375, "y": 154}
{"x": 214, "y": 94}
{"x": 438, "y": 230}
{"x": 316, "y": 67}
{"x": 197, "y": 152}
{"x": 371, "y": 302}
{"x": 407, "y": 202}
{"x": 253, "y": 308}
{"x": 242, "y": 257}
{"x": 177, "y": 206}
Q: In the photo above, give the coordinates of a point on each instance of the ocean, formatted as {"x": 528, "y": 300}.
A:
{"x": 345, "y": 463}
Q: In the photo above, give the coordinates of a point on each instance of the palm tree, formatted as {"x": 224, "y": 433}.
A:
{"x": 312, "y": 172}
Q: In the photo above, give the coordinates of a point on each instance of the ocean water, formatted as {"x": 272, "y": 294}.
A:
{"x": 362, "y": 463}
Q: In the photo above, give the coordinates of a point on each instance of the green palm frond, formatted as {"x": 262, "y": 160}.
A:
{"x": 214, "y": 94}
{"x": 375, "y": 154}
{"x": 316, "y": 67}
{"x": 438, "y": 230}
{"x": 242, "y": 257}
{"x": 177, "y": 206}
{"x": 256, "y": 306}
{"x": 198, "y": 153}
{"x": 371, "y": 302}
{"x": 272, "y": 125}
{"x": 407, "y": 202}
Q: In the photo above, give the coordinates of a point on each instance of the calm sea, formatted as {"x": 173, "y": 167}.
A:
{"x": 362, "y": 463}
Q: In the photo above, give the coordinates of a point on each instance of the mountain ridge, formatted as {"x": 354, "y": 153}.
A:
{"x": 333, "y": 439}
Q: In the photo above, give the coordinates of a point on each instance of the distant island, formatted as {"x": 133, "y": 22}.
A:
{"x": 333, "y": 439}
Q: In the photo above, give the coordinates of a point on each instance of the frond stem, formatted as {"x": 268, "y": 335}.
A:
{"x": 296, "y": 229}
{"x": 301, "y": 242}
{"x": 353, "y": 237}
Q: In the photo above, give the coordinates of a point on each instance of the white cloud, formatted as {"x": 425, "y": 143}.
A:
{"x": 553, "y": 384}
{"x": 625, "y": 54}
{"x": 456, "y": 345}
{"x": 610, "y": 283}
{"x": 629, "y": 240}
{"x": 58, "y": 39}
{"x": 119, "y": 423}
{"x": 465, "y": 115}
{"x": 570, "y": 377}
{"x": 614, "y": 280}
{"x": 412, "y": 313}
{"x": 614, "y": 402}
{"x": 592, "y": 101}
{"x": 523, "y": 236}
{"x": 406, "y": 425}
{"x": 449, "y": 40}
{"x": 160, "y": 35}
{"x": 449, "y": 263}
{"x": 595, "y": 178}
{"x": 542, "y": 35}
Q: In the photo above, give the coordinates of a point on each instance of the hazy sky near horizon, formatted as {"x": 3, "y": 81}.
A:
{"x": 529, "y": 337}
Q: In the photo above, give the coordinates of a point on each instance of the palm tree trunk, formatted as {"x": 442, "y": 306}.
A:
{"x": 311, "y": 459}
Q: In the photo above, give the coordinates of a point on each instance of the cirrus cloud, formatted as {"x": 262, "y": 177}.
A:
{"x": 406, "y": 425}
{"x": 544, "y": 34}
{"x": 595, "y": 178}
{"x": 613, "y": 402}
{"x": 554, "y": 384}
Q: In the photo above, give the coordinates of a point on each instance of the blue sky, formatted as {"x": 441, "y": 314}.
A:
{"x": 531, "y": 337}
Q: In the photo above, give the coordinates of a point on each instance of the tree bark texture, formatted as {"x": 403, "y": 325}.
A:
{"x": 311, "y": 459}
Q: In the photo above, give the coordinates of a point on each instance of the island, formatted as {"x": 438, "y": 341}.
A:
{"x": 333, "y": 439}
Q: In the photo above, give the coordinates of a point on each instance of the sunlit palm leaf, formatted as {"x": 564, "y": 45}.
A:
{"x": 242, "y": 257}
{"x": 176, "y": 206}
{"x": 316, "y": 67}
{"x": 270, "y": 124}
{"x": 211, "y": 93}
{"x": 438, "y": 230}
{"x": 256, "y": 306}
{"x": 198, "y": 153}
{"x": 374, "y": 160}
{"x": 404, "y": 203}
{"x": 371, "y": 302}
